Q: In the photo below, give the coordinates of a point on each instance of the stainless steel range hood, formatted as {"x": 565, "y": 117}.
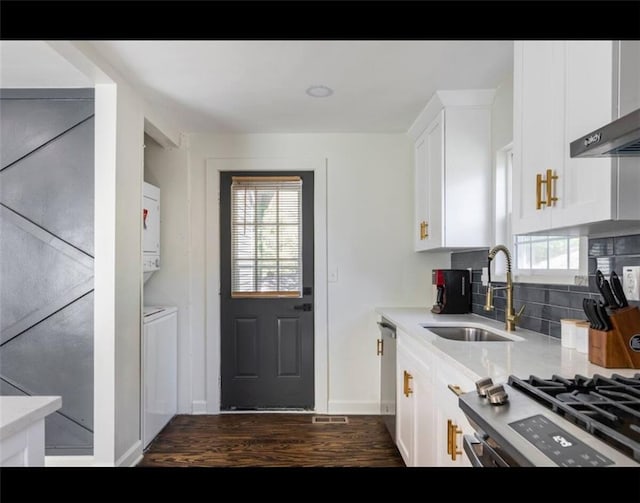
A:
{"x": 620, "y": 138}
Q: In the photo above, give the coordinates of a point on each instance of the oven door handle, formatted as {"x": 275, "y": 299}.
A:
{"x": 478, "y": 450}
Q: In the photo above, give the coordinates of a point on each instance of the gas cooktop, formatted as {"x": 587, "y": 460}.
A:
{"x": 606, "y": 407}
{"x": 557, "y": 421}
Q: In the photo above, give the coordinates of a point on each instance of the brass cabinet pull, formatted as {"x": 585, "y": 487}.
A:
{"x": 455, "y": 388}
{"x": 452, "y": 445}
{"x": 551, "y": 185}
{"x": 424, "y": 233}
{"x": 407, "y": 388}
{"x": 380, "y": 348}
{"x": 539, "y": 200}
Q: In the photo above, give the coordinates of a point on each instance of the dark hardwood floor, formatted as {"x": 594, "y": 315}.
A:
{"x": 272, "y": 440}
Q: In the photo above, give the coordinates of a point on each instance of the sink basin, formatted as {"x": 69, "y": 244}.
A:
{"x": 469, "y": 334}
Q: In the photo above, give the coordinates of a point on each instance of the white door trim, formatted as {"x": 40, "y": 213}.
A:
{"x": 212, "y": 269}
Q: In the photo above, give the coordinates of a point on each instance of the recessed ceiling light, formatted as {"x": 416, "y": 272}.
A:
{"x": 319, "y": 91}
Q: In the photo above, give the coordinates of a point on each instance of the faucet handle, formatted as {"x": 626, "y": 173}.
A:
{"x": 519, "y": 313}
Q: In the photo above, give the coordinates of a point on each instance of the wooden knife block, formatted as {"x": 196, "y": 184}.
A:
{"x": 613, "y": 349}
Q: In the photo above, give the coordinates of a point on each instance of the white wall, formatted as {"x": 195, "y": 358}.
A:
{"x": 129, "y": 163}
{"x": 120, "y": 123}
{"x": 370, "y": 208}
{"x": 501, "y": 137}
{"x": 167, "y": 168}
{"x": 502, "y": 115}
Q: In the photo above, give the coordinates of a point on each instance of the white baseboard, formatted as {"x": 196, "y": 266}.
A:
{"x": 73, "y": 461}
{"x": 199, "y": 407}
{"x": 351, "y": 407}
{"x": 132, "y": 457}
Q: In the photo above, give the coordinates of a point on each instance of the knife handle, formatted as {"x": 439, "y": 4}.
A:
{"x": 618, "y": 291}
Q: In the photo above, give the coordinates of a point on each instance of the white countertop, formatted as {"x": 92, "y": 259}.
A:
{"x": 531, "y": 354}
{"x": 19, "y": 412}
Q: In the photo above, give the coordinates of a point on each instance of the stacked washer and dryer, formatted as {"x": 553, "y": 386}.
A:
{"x": 159, "y": 340}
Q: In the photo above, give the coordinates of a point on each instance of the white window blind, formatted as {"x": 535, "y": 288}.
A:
{"x": 266, "y": 236}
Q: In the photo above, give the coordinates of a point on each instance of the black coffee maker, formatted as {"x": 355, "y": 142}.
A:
{"x": 453, "y": 291}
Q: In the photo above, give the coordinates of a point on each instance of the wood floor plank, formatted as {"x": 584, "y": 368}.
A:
{"x": 272, "y": 440}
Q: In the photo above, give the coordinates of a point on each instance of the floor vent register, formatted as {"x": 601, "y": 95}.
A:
{"x": 330, "y": 420}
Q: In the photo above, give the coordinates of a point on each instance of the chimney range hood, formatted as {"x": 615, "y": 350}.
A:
{"x": 620, "y": 138}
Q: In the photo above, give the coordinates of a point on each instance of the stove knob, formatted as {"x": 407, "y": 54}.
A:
{"x": 497, "y": 395}
{"x": 482, "y": 385}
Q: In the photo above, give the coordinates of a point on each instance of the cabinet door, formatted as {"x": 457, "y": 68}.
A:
{"x": 584, "y": 187}
{"x": 537, "y": 132}
{"x": 424, "y": 433}
{"x": 450, "y": 422}
{"x": 421, "y": 210}
{"x": 405, "y": 406}
{"x": 435, "y": 182}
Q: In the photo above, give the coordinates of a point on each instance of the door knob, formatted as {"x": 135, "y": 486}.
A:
{"x": 303, "y": 307}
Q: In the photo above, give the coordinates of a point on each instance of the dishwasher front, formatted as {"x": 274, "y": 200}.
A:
{"x": 387, "y": 352}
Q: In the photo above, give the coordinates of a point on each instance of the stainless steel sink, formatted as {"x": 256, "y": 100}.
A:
{"x": 470, "y": 334}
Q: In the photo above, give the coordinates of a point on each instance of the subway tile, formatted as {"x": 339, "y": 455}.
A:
{"x": 576, "y": 314}
{"x": 544, "y": 286}
{"x": 535, "y": 324}
{"x": 555, "y": 329}
{"x": 531, "y": 309}
{"x": 566, "y": 299}
{"x": 626, "y": 245}
{"x": 499, "y": 294}
{"x": 554, "y": 313}
{"x": 500, "y": 303}
{"x": 600, "y": 247}
{"x": 474, "y": 259}
{"x": 579, "y": 288}
{"x": 526, "y": 294}
{"x": 622, "y": 261}
{"x": 546, "y": 304}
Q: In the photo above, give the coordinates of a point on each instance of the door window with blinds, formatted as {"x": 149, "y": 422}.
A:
{"x": 266, "y": 236}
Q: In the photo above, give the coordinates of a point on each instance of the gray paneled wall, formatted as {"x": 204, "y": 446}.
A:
{"x": 548, "y": 304}
{"x": 46, "y": 257}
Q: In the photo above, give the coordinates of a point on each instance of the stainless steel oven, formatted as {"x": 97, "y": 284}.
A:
{"x": 387, "y": 352}
{"x": 556, "y": 421}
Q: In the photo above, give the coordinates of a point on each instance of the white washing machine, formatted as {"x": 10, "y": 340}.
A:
{"x": 159, "y": 369}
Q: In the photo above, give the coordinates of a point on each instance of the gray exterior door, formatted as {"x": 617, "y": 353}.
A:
{"x": 46, "y": 257}
{"x": 267, "y": 343}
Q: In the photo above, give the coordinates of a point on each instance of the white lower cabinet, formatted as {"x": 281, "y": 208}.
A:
{"x": 450, "y": 422}
{"x": 414, "y": 420}
{"x": 429, "y": 423}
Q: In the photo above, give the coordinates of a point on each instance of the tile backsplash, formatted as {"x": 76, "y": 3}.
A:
{"x": 547, "y": 304}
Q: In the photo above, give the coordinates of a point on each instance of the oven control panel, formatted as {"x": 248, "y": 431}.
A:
{"x": 558, "y": 445}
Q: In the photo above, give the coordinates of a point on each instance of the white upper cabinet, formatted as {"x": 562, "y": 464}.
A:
{"x": 452, "y": 162}
{"x": 563, "y": 90}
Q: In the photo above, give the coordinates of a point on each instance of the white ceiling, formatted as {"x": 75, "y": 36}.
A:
{"x": 259, "y": 86}
{"x": 32, "y": 63}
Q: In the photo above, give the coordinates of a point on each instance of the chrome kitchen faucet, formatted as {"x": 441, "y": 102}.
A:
{"x": 511, "y": 318}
